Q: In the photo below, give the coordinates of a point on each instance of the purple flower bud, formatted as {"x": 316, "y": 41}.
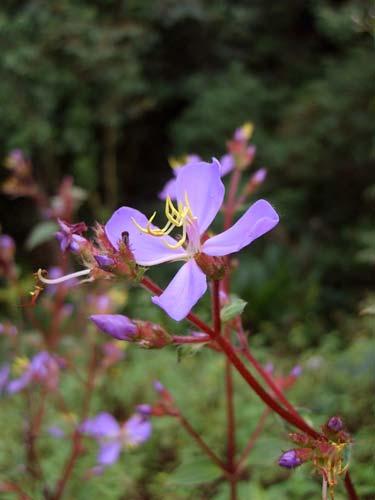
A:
{"x": 259, "y": 176}
{"x": 269, "y": 367}
{"x": 289, "y": 459}
{"x": 144, "y": 410}
{"x": 296, "y": 371}
{"x": 335, "y": 424}
{"x": 158, "y": 386}
{"x": 6, "y": 242}
{"x": 117, "y": 326}
{"x": 104, "y": 261}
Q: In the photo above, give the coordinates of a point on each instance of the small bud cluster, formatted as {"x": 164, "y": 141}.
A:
{"x": 239, "y": 147}
{"x": 327, "y": 453}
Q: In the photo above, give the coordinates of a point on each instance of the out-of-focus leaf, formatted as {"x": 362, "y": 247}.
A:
{"x": 198, "y": 472}
{"x": 233, "y": 309}
{"x": 42, "y": 232}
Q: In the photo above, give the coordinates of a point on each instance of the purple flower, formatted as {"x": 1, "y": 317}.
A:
{"x": 112, "y": 437}
{"x": 116, "y": 325}
{"x": 43, "y": 368}
{"x": 289, "y": 459}
{"x": 200, "y": 194}
{"x": 227, "y": 164}
{"x": 69, "y": 236}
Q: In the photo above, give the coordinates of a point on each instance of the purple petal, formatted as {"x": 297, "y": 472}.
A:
{"x": 183, "y": 292}
{"x": 116, "y": 325}
{"x": 20, "y": 383}
{"x": 109, "y": 453}
{"x": 169, "y": 189}
{"x": 256, "y": 221}
{"x": 137, "y": 429}
{"x": 4, "y": 376}
{"x": 103, "y": 425}
{"x": 147, "y": 250}
{"x": 204, "y": 188}
{"x": 227, "y": 164}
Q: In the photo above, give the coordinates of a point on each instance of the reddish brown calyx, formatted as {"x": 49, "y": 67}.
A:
{"x": 213, "y": 267}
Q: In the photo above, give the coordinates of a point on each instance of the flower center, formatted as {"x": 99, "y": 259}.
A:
{"x": 180, "y": 217}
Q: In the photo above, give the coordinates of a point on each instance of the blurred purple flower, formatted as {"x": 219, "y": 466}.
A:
{"x": 259, "y": 176}
{"x": 296, "y": 371}
{"x": 112, "y": 437}
{"x": 44, "y": 368}
{"x": 112, "y": 354}
{"x": 69, "y": 236}
{"x": 200, "y": 194}
{"x": 158, "y": 386}
{"x": 56, "y": 432}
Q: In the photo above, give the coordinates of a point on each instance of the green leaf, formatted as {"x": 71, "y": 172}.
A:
{"x": 198, "y": 472}
{"x": 42, "y": 232}
{"x": 188, "y": 350}
{"x": 233, "y": 309}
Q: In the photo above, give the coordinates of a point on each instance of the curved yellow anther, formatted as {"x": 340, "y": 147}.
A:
{"x": 176, "y": 217}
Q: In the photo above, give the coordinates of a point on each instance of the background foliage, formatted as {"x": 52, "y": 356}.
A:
{"x": 107, "y": 90}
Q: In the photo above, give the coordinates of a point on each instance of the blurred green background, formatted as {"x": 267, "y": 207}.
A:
{"x": 107, "y": 90}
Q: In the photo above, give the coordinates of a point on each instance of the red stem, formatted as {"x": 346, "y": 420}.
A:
{"x": 251, "y": 381}
{"x": 350, "y": 487}
{"x": 190, "y": 339}
{"x": 253, "y": 438}
{"x": 207, "y": 450}
{"x": 76, "y": 449}
{"x": 240, "y": 367}
{"x": 269, "y": 381}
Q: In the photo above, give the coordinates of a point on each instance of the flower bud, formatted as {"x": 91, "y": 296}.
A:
{"x": 296, "y": 371}
{"x": 159, "y": 387}
{"x": 116, "y": 325}
{"x": 144, "y": 410}
{"x": 259, "y": 176}
{"x": 104, "y": 262}
{"x": 335, "y": 424}
{"x": 290, "y": 459}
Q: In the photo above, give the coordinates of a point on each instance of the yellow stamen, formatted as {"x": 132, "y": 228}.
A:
{"x": 176, "y": 217}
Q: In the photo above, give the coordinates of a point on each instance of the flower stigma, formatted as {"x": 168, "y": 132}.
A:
{"x": 182, "y": 216}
